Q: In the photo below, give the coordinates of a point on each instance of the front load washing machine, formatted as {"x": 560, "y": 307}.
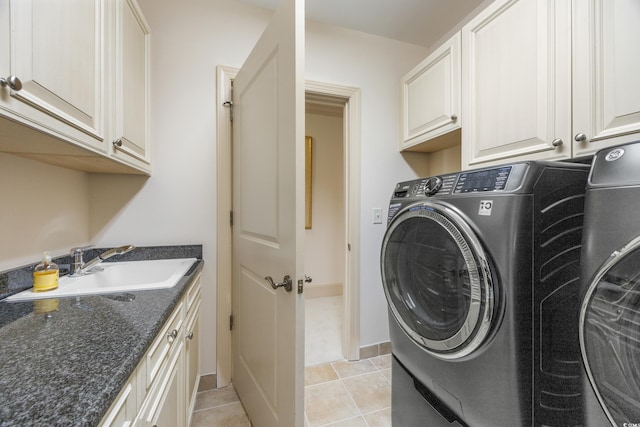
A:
{"x": 610, "y": 314}
{"x": 481, "y": 273}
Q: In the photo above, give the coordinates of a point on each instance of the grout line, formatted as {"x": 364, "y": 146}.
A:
{"x": 218, "y": 406}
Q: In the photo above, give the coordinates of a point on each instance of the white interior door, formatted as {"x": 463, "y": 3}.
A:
{"x": 268, "y": 209}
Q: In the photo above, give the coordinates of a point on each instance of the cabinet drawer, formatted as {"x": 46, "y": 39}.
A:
{"x": 161, "y": 347}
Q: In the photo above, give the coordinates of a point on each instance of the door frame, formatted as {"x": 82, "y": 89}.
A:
{"x": 351, "y": 289}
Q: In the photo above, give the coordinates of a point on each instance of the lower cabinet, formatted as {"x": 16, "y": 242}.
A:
{"x": 161, "y": 391}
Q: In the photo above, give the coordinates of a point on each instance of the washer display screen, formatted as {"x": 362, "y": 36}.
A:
{"x": 484, "y": 180}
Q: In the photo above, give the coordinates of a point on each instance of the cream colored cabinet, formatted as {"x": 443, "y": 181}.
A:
{"x": 58, "y": 56}
{"x": 124, "y": 410}
{"x": 166, "y": 405}
{"x": 74, "y": 78}
{"x": 606, "y": 77}
{"x": 192, "y": 351}
{"x": 516, "y": 82}
{"x": 161, "y": 392}
{"x": 431, "y": 101}
{"x": 130, "y": 121}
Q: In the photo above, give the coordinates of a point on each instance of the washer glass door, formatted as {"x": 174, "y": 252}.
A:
{"x": 437, "y": 280}
{"x": 610, "y": 334}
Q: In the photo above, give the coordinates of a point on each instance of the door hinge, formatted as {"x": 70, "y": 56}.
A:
{"x": 230, "y": 105}
{"x": 348, "y": 246}
{"x": 231, "y": 218}
{"x": 300, "y": 286}
{"x": 231, "y": 322}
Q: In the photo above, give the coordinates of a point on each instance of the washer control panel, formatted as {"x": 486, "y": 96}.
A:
{"x": 502, "y": 178}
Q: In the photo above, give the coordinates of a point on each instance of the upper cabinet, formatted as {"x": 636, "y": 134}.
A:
{"x": 516, "y": 82}
{"x": 431, "y": 101}
{"x": 545, "y": 79}
{"x": 130, "y": 140}
{"x": 57, "y": 55}
{"x": 62, "y": 63}
{"x": 606, "y": 77}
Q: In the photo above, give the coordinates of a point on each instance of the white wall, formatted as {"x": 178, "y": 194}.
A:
{"x": 42, "y": 208}
{"x": 325, "y": 241}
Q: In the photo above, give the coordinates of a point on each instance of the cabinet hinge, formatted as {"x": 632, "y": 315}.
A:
{"x": 230, "y": 105}
{"x": 231, "y": 218}
{"x": 231, "y": 322}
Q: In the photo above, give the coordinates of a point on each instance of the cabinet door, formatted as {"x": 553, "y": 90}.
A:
{"x": 56, "y": 51}
{"x": 516, "y": 82}
{"x": 431, "y": 99}
{"x": 123, "y": 412}
{"x": 167, "y": 400}
{"x": 192, "y": 358}
{"x": 131, "y": 98}
{"x": 606, "y": 57}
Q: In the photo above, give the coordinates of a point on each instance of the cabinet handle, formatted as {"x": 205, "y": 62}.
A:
{"x": 117, "y": 142}
{"x": 454, "y": 118}
{"x": 580, "y": 137}
{"x": 189, "y": 335}
{"x": 171, "y": 336}
{"x": 557, "y": 142}
{"x": 12, "y": 81}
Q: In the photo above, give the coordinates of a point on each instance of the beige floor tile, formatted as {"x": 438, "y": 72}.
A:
{"x": 230, "y": 415}
{"x": 351, "y": 422}
{"x": 319, "y": 374}
{"x": 346, "y": 369}
{"x": 327, "y": 403}
{"x": 382, "y": 362}
{"x": 379, "y": 418}
{"x": 387, "y": 374}
{"x": 216, "y": 397}
{"x": 371, "y": 392}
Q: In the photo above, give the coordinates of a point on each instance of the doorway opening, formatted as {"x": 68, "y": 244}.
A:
{"x": 325, "y": 238}
{"x": 331, "y": 96}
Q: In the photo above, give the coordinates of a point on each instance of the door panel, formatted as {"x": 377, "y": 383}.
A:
{"x": 268, "y": 205}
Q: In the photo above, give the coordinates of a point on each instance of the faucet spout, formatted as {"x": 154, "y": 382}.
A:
{"x": 85, "y": 267}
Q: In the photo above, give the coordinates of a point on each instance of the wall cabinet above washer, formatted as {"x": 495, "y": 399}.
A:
{"x": 549, "y": 80}
{"x": 606, "y": 80}
{"x": 431, "y": 117}
{"x": 58, "y": 104}
{"x": 516, "y": 82}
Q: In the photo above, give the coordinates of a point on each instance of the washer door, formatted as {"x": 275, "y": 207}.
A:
{"x": 437, "y": 280}
{"x": 610, "y": 334}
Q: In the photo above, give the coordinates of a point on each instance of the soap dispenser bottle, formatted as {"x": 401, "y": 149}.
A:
{"x": 45, "y": 275}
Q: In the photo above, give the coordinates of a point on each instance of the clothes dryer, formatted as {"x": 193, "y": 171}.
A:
{"x": 481, "y": 273}
{"x": 610, "y": 314}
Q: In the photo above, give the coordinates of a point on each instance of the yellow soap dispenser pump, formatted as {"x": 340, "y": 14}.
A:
{"x": 45, "y": 275}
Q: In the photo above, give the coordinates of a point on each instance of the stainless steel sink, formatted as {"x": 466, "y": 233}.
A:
{"x": 117, "y": 277}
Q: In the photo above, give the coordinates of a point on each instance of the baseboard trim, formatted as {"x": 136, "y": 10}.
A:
{"x": 327, "y": 290}
{"x": 207, "y": 382}
{"x": 375, "y": 350}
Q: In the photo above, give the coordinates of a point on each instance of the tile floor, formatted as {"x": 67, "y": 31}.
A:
{"x": 341, "y": 393}
{"x": 337, "y": 393}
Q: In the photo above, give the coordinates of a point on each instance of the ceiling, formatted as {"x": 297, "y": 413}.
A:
{"x": 420, "y": 22}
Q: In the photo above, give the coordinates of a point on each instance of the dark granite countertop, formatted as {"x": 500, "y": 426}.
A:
{"x": 66, "y": 367}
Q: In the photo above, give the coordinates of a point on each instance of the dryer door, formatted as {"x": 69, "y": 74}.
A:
{"x": 610, "y": 334}
{"x": 437, "y": 281}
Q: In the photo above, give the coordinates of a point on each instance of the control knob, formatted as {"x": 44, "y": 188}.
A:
{"x": 432, "y": 186}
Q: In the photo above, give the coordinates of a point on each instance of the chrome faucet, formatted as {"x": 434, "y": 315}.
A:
{"x": 78, "y": 267}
